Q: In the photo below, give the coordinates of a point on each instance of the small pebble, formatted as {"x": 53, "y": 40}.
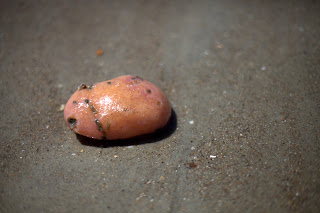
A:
{"x": 61, "y": 108}
{"x": 192, "y": 165}
{"x": 191, "y": 122}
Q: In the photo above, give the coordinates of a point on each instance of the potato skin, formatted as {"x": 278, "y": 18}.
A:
{"x": 120, "y": 108}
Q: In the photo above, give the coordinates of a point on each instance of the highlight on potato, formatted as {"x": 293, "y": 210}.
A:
{"x": 120, "y": 108}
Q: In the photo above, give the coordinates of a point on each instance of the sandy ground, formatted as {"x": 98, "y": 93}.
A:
{"x": 243, "y": 78}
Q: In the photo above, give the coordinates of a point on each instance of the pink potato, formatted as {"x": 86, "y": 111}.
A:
{"x": 123, "y": 107}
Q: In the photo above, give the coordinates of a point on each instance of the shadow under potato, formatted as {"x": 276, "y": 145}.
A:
{"x": 158, "y": 135}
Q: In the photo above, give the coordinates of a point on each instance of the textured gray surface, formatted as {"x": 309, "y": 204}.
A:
{"x": 242, "y": 76}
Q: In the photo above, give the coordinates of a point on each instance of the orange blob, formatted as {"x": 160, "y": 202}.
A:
{"x": 99, "y": 52}
{"x": 123, "y": 107}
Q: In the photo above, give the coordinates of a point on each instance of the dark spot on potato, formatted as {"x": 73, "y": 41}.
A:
{"x": 72, "y": 121}
{"x": 125, "y": 109}
{"x": 99, "y": 125}
{"x": 74, "y": 102}
{"x": 148, "y": 90}
{"x": 92, "y": 109}
{"x": 109, "y": 82}
{"x": 100, "y": 128}
{"x": 82, "y": 86}
{"x": 158, "y": 103}
{"x": 90, "y": 106}
{"x": 137, "y": 77}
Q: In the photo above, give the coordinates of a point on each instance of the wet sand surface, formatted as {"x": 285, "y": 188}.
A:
{"x": 243, "y": 79}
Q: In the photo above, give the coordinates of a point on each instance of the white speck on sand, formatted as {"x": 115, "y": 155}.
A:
{"x": 59, "y": 85}
{"x": 61, "y": 108}
{"x": 191, "y": 122}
